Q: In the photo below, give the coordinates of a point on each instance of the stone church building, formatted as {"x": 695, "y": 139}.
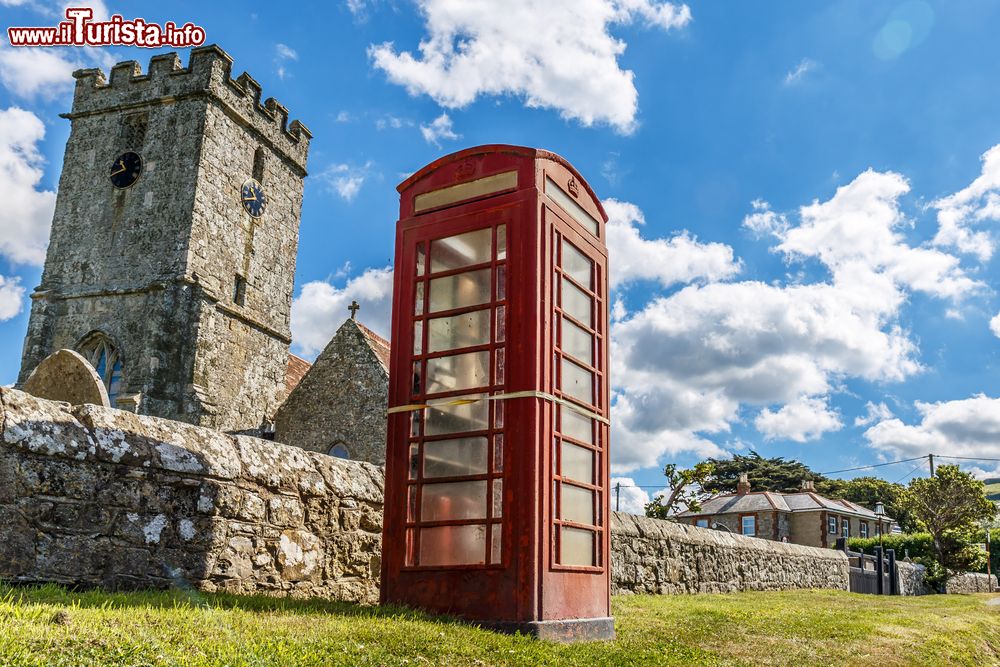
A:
{"x": 171, "y": 263}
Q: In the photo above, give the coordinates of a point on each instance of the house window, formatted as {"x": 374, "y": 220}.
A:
{"x": 831, "y": 525}
{"x": 846, "y": 527}
{"x": 701, "y": 523}
{"x": 864, "y": 529}
{"x": 340, "y": 451}
{"x": 749, "y": 525}
{"x": 106, "y": 360}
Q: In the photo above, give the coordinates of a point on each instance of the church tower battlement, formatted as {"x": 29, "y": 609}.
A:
{"x": 171, "y": 261}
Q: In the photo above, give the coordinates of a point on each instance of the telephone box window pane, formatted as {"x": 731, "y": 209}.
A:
{"x": 577, "y": 265}
{"x": 576, "y": 426}
{"x": 457, "y": 251}
{"x": 577, "y": 547}
{"x": 497, "y": 498}
{"x": 577, "y": 382}
{"x": 576, "y": 504}
{"x": 501, "y": 324}
{"x": 420, "y": 258}
{"x": 502, "y": 242}
{"x": 457, "y": 331}
{"x": 455, "y": 458}
{"x": 411, "y": 503}
{"x": 414, "y": 461}
{"x": 458, "y": 371}
{"x": 495, "y": 539}
{"x": 418, "y": 301}
{"x": 501, "y": 282}
{"x": 577, "y": 343}
{"x": 577, "y": 463}
{"x": 457, "y": 418}
{"x": 574, "y": 301}
{"x": 464, "y": 289}
{"x": 498, "y": 452}
{"x": 418, "y": 336}
{"x": 453, "y": 545}
{"x": 501, "y": 366}
{"x": 411, "y": 546}
{"x": 453, "y": 500}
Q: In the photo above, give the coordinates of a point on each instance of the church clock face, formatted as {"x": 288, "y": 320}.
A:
{"x": 254, "y": 199}
{"x": 126, "y": 170}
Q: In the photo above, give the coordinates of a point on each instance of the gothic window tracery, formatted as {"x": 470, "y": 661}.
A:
{"x": 104, "y": 356}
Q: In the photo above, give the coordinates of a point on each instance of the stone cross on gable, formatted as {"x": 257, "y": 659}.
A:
{"x": 354, "y": 307}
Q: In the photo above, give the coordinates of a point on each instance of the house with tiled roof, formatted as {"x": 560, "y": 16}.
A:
{"x": 337, "y": 404}
{"x": 803, "y": 517}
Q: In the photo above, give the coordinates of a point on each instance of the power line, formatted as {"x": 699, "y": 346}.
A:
{"x": 874, "y": 465}
{"x": 966, "y": 458}
{"x": 918, "y": 467}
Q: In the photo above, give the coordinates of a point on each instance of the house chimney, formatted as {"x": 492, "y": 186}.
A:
{"x": 743, "y": 485}
{"x": 808, "y": 485}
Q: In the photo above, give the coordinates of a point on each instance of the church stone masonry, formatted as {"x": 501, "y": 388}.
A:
{"x": 191, "y": 292}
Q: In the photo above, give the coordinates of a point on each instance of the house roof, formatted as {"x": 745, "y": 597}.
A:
{"x": 379, "y": 345}
{"x": 767, "y": 501}
{"x": 295, "y": 370}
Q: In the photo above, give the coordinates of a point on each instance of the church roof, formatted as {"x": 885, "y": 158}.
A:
{"x": 295, "y": 370}
{"x": 379, "y": 345}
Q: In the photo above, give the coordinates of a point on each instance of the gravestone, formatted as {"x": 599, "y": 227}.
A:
{"x": 66, "y": 376}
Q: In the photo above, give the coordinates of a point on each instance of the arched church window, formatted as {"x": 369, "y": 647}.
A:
{"x": 106, "y": 360}
{"x": 340, "y": 451}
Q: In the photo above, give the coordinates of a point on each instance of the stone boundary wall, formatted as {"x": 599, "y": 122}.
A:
{"x": 971, "y": 582}
{"x": 100, "y": 497}
{"x": 911, "y": 578}
{"x": 652, "y": 556}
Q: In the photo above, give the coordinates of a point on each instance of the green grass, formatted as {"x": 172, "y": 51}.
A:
{"x": 51, "y": 626}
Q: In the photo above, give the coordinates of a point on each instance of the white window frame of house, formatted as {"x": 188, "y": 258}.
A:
{"x": 753, "y": 525}
{"x": 832, "y": 523}
{"x": 864, "y": 529}
{"x": 845, "y": 527}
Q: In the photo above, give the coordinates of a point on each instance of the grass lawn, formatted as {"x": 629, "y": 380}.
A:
{"x": 51, "y": 626}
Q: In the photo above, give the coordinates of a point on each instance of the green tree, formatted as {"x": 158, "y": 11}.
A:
{"x": 950, "y": 506}
{"x": 773, "y": 474}
{"x": 687, "y": 490}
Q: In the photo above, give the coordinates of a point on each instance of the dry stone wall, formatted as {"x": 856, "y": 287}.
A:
{"x": 911, "y": 578}
{"x": 971, "y": 582}
{"x": 101, "y": 497}
{"x": 656, "y": 557}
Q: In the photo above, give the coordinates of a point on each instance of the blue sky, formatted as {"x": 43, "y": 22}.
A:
{"x": 802, "y": 197}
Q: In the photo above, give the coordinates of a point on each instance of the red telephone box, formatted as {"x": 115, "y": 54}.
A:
{"x": 496, "y": 504}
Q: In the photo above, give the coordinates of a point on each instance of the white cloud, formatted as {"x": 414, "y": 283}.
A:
{"x": 391, "y": 121}
{"x": 680, "y": 259}
{"x": 346, "y": 180}
{"x": 802, "y": 420}
{"x": 320, "y": 308}
{"x": 995, "y": 325}
{"x": 629, "y": 498}
{"x": 795, "y": 76}
{"x": 968, "y": 427}
{"x": 763, "y": 221}
{"x": 976, "y": 203}
{"x": 11, "y": 298}
{"x": 26, "y": 216}
{"x": 283, "y": 54}
{"x": 440, "y": 128}
{"x": 344, "y": 117}
{"x": 874, "y": 412}
{"x": 37, "y": 72}
{"x": 856, "y": 233}
{"x": 685, "y": 364}
{"x": 568, "y": 61}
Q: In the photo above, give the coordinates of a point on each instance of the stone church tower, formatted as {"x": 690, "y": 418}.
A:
{"x": 168, "y": 267}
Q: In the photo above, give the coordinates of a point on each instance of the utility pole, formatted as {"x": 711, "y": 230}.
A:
{"x": 930, "y": 459}
{"x": 618, "y": 496}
